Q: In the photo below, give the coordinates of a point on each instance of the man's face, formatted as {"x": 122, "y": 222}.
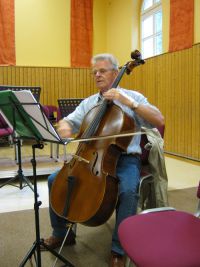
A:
{"x": 104, "y": 75}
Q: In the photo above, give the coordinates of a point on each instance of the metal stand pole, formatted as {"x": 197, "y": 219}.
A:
{"x": 36, "y": 248}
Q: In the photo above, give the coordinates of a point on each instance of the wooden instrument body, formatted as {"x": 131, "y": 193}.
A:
{"x": 94, "y": 194}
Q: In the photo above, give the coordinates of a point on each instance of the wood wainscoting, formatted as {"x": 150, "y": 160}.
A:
{"x": 170, "y": 81}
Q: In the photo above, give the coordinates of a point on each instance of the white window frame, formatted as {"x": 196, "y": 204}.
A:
{"x": 151, "y": 11}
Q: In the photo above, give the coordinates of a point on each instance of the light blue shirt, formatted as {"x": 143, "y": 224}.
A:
{"x": 76, "y": 117}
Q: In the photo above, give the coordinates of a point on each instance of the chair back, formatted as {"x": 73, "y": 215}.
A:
{"x": 3, "y": 123}
{"x": 5, "y": 130}
{"x": 68, "y": 105}
{"x": 164, "y": 238}
{"x": 35, "y": 90}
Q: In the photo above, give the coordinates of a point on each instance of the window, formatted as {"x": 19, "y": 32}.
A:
{"x": 151, "y": 28}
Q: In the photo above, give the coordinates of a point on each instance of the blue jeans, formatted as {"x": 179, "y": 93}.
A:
{"x": 128, "y": 172}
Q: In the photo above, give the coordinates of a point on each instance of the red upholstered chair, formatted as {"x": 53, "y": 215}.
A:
{"x": 5, "y": 130}
{"x": 51, "y": 112}
{"x": 162, "y": 237}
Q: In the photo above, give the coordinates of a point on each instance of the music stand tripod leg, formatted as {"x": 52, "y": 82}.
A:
{"x": 36, "y": 248}
{"x": 20, "y": 176}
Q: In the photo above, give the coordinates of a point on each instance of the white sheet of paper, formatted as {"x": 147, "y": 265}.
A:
{"x": 37, "y": 116}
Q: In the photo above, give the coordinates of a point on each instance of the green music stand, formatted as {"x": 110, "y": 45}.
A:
{"x": 25, "y": 115}
{"x": 21, "y": 111}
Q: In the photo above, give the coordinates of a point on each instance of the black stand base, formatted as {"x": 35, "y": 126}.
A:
{"x": 42, "y": 244}
{"x": 23, "y": 181}
{"x": 36, "y": 248}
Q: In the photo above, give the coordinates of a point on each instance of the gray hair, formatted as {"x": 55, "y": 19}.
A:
{"x": 108, "y": 57}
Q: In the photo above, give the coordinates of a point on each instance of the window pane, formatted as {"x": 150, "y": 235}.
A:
{"x": 148, "y": 48}
{"x": 147, "y": 4}
{"x": 158, "y": 42}
{"x": 156, "y": 1}
{"x": 158, "y": 21}
{"x": 147, "y": 27}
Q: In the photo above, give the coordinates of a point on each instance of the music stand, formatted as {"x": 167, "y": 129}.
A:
{"x": 25, "y": 115}
{"x": 23, "y": 181}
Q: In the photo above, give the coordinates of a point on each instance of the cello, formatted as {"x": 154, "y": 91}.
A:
{"x": 86, "y": 188}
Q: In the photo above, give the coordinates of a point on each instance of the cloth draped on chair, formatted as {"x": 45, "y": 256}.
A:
{"x": 157, "y": 165}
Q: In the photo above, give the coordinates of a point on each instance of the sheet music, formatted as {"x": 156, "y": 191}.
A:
{"x": 37, "y": 116}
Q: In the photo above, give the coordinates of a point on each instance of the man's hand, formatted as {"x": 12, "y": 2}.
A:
{"x": 113, "y": 94}
{"x": 64, "y": 129}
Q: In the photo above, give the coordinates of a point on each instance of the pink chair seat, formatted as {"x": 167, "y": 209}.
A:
{"x": 162, "y": 239}
{"x": 5, "y": 132}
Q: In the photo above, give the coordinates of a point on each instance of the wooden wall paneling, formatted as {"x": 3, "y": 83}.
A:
{"x": 58, "y": 84}
{"x": 13, "y": 75}
{"x": 195, "y": 92}
{"x": 78, "y": 84}
{"x": 62, "y": 83}
{"x": 81, "y": 82}
{"x": 46, "y": 88}
{"x": 165, "y": 84}
{"x": 74, "y": 83}
{"x": 170, "y": 81}
{"x": 172, "y": 121}
{"x": 53, "y": 96}
{"x": 197, "y": 115}
{"x": 16, "y": 75}
{"x": 88, "y": 79}
{"x": 1, "y": 75}
{"x": 187, "y": 98}
{"x": 21, "y": 75}
{"x": 51, "y": 86}
{"x": 25, "y": 75}
{"x": 40, "y": 80}
{"x": 69, "y": 84}
{"x": 29, "y": 76}
{"x": 179, "y": 112}
{"x": 90, "y": 88}
{"x": 65, "y": 74}
{"x": 162, "y": 85}
{"x": 5, "y": 75}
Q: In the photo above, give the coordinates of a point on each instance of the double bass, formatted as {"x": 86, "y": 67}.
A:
{"x": 86, "y": 188}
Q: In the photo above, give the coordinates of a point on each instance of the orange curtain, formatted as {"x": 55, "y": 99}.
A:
{"x": 7, "y": 33}
{"x": 81, "y": 32}
{"x": 181, "y": 24}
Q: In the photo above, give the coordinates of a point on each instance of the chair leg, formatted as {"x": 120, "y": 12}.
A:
{"x": 129, "y": 263}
